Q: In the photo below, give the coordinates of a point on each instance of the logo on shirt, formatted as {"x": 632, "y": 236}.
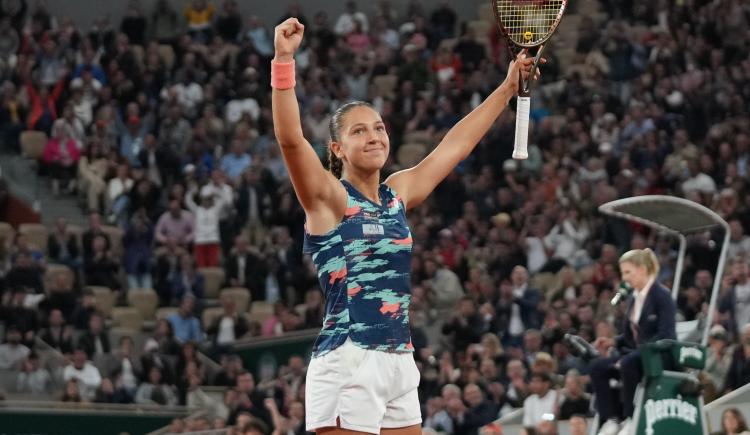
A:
{"x": 373, "y": 229}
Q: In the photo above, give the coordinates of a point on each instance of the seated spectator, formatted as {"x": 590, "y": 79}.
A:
{"x": 85, "y": 308}
{"x": 718, "y": 360}
{"x": 62, "y": 245}
{"x": 92, "y": 171}
{"x": 199, "y": 399}
{"x": 84, "y": 372}
{"x": 231, "y": 366}
{"x": 138, "y": 242}
{"x": 109, "y": 393}
{"x": 16, "y": 314}
{"x": 72, "y": 392}
{"x": 87, "y": 238}
{"x": 61, "y": 158}
{"x": 118, "y": 199}
{"x": 126, "y": 367}
{"x": 152, "y": 357}
{"x": 477, "y": 412}
{"x": 739, "y": 370}
{"x": 246, "y": 267}
{"x": 199, "y": 16}
{"x": 733, "y": 423}
{"x": 186, "y": 326}
{"x": 33, "y": 378}
{"x": 24, "y": 274}
{"x": 13, "y": 353}
{"x": 314, "y": 309}
{"x": 101, "y": 268}
{"x": 542, "y": 402}
{"x": 95, "y": 341}
{"x": 229, "y": 327}
{"x": 237, "y": 161}
{"x": 155, "y": 391}
{"x": 578, "y": 425}
{"x": 164, "y": 338}
{"x": 249, "y": 400}
{"x": 186, "y": 281}
{"x": 62, "y": 295}
{"x": 466, "y": 325}
{"x": 575, "y": 400}
{"x": 175, "y": 224}
{"x": 58, "y": 335}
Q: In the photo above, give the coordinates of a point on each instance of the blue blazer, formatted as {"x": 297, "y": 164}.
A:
{"x": 657, "y": 320}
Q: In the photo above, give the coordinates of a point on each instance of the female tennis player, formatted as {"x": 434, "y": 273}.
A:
{"x": 362, "y": 377}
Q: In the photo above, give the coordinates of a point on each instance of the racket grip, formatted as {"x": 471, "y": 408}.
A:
{"x": 520, "y": 147}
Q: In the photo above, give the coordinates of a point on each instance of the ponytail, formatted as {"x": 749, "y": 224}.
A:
{"x": 644, "y": 258}
{"x": 335, "y": 165}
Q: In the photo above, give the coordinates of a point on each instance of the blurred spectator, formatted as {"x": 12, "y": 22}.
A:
{"x": 231, "y": 366}
{"x": 154, "y": 391}
{"x": 72, "y": 392}
{"x": 739, "y": 370}
{"x": 102, "y": 267}
{"x": 229, "y": 327}
{"x": 33, "y": 379}
{"x": 733, "y": 422}
{"x": 138, "y": 242}
{"x": 126, "y": 368}
{"x": 12, "y": 352}
{"x": 575, "y": 400}
{"x": 84, "y": 372}
{"x": 61, "y": 157}
{"x": 109, "y": 393}
{"x": 186, "y": 326}
{"x": 58, "y": 335}
{"x": 95, "y": 340}
{"x": 543, "y": 401}
{"x": 207, "y": 241}
{"x": 718, "y": 361}
{"x": 176, "y": 224}
{"x": 62, "y": 245}
{"x": 186, "y": 281}
{"x": 466, "y": 325}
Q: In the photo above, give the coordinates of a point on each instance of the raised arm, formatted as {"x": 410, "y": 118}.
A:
{"x": 315, "y": 187}
{"x": 415, "y": 184}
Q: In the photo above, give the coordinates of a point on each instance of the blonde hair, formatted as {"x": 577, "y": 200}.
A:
{"x": 644, "y": 258}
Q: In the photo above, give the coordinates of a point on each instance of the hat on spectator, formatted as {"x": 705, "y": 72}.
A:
{"x": 718, "y": 332}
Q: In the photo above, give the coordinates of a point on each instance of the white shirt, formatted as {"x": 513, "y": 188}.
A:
{"x": 640, "y": 298}
{"x": 117, "y": 187}
{"x": 236, "y": 108}
{"x": 88, "y": 377}
{"x": 345, "y": 23}
{"x": 515, "y": 325}
{"x": 536, "y": 256}
{"x": 206, "y": 219}
{"x": 534, "y": 407}
{"x": 226, "y": 331}
{"x": 742, "y": 304}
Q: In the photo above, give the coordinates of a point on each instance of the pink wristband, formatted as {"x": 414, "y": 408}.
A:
{"x": 282, "y": 75}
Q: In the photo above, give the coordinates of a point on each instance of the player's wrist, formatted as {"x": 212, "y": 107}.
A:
{"x": 283, "y": 58}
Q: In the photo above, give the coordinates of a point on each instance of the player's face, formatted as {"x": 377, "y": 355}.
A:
{"x": 364, "y": 141}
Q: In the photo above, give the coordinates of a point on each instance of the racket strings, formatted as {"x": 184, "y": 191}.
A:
{"x": 528, "y": 21}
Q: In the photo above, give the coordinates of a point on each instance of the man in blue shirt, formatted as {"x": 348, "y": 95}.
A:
{"x": 186, "y": 326}
{"x": 235, "y": 163}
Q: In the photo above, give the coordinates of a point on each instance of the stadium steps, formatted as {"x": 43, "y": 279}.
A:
{"x": 22, "y": 178}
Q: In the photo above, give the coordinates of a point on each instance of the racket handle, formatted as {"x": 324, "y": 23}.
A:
{"x": 520, "y": 147}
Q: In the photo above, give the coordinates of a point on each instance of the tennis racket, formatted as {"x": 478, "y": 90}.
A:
{"x": 527, "y": 24}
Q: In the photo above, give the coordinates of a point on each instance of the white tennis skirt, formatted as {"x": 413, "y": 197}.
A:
{"x": 367, "y": 390}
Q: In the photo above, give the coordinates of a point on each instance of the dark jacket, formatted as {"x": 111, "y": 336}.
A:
{"x": 657, "y": 320}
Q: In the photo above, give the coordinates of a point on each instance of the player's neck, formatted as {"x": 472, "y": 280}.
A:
{"x": 367, "y": 184}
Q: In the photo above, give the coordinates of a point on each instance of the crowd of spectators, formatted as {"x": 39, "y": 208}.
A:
{"x": 162, "y": 127}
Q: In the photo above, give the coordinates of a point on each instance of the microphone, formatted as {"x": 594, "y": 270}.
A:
{"x": 623, "y": 291}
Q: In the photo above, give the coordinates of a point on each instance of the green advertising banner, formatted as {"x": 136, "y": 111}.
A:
{"x": 262, "y": 356}
{"x": 665, "y": 411}
{"x": 40, "y": 422}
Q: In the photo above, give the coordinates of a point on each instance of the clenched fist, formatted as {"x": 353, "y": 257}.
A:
{"x": 287, "y": 39}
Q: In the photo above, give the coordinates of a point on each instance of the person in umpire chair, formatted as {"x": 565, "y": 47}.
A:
{"x": 650, "y": 316}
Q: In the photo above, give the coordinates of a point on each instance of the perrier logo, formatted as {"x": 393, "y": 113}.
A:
{"x": 658, "y": 410}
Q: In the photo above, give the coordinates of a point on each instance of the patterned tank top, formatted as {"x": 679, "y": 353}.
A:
{"x": 364, "y": 268}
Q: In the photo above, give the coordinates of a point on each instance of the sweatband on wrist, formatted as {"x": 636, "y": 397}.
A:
{"x": 282, "y": 75}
